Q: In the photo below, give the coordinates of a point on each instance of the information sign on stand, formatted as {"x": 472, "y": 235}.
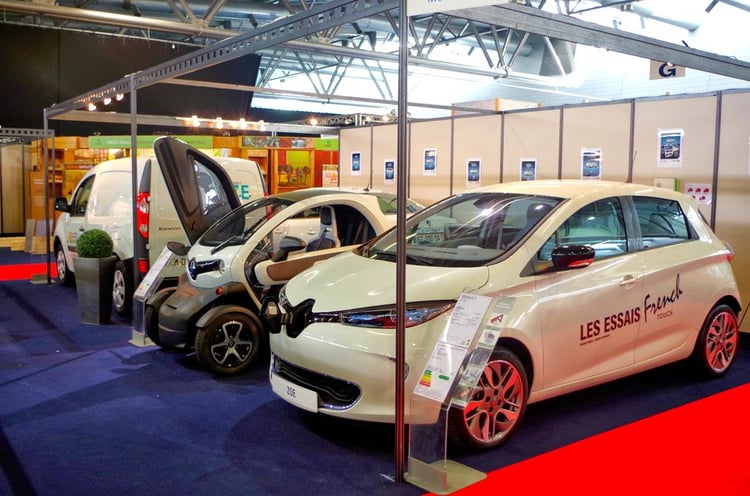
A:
{"x": 148, "y": 286}
{"x": 452, "y": 373}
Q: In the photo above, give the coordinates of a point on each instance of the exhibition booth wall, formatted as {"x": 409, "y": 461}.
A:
{"x": 693, "y": 143}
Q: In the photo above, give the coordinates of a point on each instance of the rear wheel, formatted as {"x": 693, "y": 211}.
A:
{"x": 228, "y": 344}
{"x": 717, "y": 342}
{"x": 64, "y": 275}
{"x": 122, "y": 290}
{"x": 496, "y": 406}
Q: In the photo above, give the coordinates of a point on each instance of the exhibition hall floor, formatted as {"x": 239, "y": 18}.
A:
{"x": 83, "y": 411}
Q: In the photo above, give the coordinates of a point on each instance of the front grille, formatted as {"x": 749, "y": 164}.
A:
{"x": 335, "y": 394}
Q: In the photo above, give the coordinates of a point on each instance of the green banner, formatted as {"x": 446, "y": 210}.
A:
{"x": 329, "y": 144}
{"x": 107, "y": 142}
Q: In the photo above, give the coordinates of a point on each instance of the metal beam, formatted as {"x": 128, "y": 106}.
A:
{"x": 536, "y": 21}
{"x": 293, "y": 27}
{"x": 177, "y": 121}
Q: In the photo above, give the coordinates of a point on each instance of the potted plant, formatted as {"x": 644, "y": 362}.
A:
{"x": 94, "y": 269}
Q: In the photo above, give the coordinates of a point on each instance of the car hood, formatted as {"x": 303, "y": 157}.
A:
{"x": 351, "y": 281}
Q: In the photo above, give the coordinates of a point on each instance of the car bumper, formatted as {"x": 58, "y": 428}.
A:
{"x": 179, "y": 312}
{"x": 354, "y": 380}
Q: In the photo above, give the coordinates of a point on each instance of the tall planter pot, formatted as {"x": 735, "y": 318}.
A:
{"x": 94, "y": 278}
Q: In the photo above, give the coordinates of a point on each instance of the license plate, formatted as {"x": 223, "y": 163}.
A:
{"x": 294, "y": 394}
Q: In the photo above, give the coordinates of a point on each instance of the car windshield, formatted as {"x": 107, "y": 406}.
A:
{"x": 239, "y": 224}
{"x": 466, "y": 230}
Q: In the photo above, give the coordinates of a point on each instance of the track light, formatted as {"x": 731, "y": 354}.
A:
{"x": 119, "y": 97}
{"x": 91, "y": 106}
{"x": 107, "y": 100}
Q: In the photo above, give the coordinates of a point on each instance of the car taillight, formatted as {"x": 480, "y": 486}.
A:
{"x": 142, "y": 213}
{"x": 730, "y": 252}
{"x": 142, "y": 266}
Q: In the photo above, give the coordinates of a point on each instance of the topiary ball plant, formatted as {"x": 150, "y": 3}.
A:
{"x": 94, "y": 243}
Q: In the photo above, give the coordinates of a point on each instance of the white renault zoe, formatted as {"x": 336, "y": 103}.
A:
{"x": 597, "y": 280}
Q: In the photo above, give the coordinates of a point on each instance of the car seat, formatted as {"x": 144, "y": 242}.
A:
{"x": 328, "y": 234}
{"x": 534, "y": 213}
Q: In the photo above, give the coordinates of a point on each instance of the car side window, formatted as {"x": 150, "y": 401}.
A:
{"x": 81, "y": 199}
{"x": 662, "y": 221}
{"x": 600, "y": 224}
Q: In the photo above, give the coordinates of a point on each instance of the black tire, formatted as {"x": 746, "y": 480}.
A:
{"x": 229, "y": 343}
{"x": 717, "y": 343}
{"x": 64, "y": 275}
{"x": 496, "y": 407}
{"x": 122, "y": 290}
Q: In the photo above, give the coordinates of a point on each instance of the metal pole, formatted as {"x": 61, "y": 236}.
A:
{"x": 401, "y": 238}
{"x": 45, "y": 164}
{"x": 134, "y": 165}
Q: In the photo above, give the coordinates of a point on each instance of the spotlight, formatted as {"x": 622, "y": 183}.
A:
{"x": 243, "y": 123}
{"x": 107, "y": 100}
{"x": 195, "y": 121}
{"x": 313, "y": 121}
{"x": 219, "y": 123}
{"x": 91, "y": 106}
{"x": 119, "y": 97}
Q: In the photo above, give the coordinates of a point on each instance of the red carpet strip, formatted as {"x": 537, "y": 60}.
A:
{"x": 19, "y": 272}
{"x": 697, "y": 449}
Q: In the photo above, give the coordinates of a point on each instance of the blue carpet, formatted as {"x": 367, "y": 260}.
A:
{"x": 83, "y": 411}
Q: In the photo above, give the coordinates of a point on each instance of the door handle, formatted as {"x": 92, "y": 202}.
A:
{"x": 629, "y": 280}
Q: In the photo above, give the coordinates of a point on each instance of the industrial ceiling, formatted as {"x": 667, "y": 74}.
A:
{"x": 527, "y": 53}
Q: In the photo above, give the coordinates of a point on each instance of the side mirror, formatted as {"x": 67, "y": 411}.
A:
{"x": 287, "y": 245}
{"x": 178, "y": 248}
{"x": 572, "y": 256}
{"x": 61, "y": 204}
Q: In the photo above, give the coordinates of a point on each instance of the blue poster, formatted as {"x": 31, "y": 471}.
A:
{"x": 356, "y": 163}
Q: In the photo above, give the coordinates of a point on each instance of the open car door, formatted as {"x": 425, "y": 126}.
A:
{"x": 201, "y": 190}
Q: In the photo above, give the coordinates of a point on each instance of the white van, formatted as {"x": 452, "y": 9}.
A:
{"x": 103, "y": 199}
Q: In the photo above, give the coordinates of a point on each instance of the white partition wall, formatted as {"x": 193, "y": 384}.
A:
{"x": 733, "y": 185}
{"x": 355, "y": 141}
{"x": 431, "y": 164}
{"x": 604, "y": 128}
{"x": 532, "y": 135}
{"x": 477, "y": 138}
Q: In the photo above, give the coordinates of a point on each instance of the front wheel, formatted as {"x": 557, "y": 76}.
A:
{"x": 228, "y": 344}
{"x": 64, "y": 275}
{"x": 717, "y": 342}
{"x": 122, "y": 290}
{"x": 496, "y": 406}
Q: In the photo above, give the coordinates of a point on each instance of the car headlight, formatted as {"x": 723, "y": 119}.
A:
{"x": 195, "y": 267}
{"x": 384, "y": 317}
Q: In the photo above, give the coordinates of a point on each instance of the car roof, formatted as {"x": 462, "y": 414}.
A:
{"x": 576, "y": 188}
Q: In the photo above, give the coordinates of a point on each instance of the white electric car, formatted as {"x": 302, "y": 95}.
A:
{"x": 585, "y": 282}
{"x": 246, "y": 255}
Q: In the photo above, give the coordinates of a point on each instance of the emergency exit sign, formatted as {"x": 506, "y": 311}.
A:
{"x": 418, "y": 7}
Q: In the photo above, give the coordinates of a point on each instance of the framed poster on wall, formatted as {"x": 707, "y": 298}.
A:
{"x": 591, "y": 163}
{"x": 670, "y": 147}
{"x": 356, "y": 163}
{"x": 430, "y": 162}
{"x": 473, "y": 172}
{"x": 389, "y": 171}
{"x": 528, "y": 169}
